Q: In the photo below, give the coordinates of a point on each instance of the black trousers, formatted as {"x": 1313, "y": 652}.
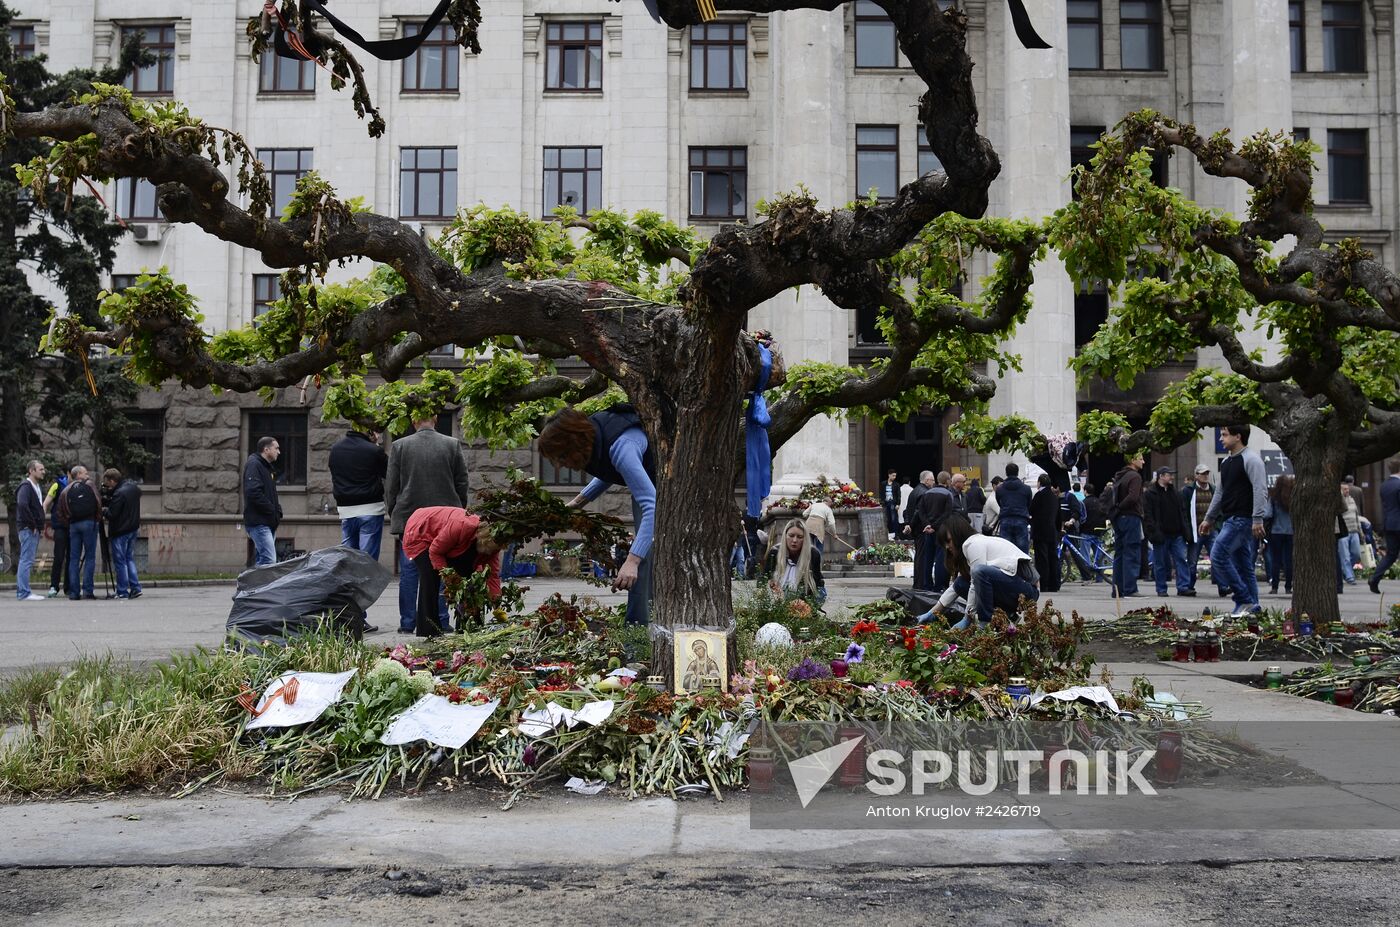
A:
{"x": 429, "y": 586}
{"x": 1047, "y": 563}
{"x": 58, "y": 577}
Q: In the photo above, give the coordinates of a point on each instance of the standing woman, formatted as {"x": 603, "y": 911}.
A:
{"x": 793, "y": 564}
{"x": 1281, "y": 534}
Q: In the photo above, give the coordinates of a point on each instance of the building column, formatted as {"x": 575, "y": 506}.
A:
{"x": 1258, "y": 98}
{"x": 1035, "y": 171}
{"x": 811, "y": 145}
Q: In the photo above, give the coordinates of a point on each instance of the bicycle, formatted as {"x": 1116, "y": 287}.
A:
{"x": 1086, "y": 553}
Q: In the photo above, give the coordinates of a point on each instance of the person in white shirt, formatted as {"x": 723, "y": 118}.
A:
{"x": 991, "y": 573}
{"x": 821, "y": 524}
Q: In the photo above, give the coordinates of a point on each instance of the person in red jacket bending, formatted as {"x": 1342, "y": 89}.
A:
{"x": 442, "y": 536}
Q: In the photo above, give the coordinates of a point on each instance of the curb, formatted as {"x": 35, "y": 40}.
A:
{"x": 155, "y": 583}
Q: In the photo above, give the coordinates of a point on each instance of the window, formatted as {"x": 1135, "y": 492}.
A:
{"x": 444, "y": 350}
{"x": 928, "y": 161}
{"x": 1297, "y": 45}
{"x": 1085, "y": 35}
{"x": 573, "y": 56}
{"x": 267, "y": 289}
{"x": 289, "y": 428}
{"x": 719, "y": 181}
{"x": 136, "y": 199}
{"x": 158, "y": 77}
{"x": 285, "y": 166}
{"x": 22, "y": 42}
{"x": 286, "y": 75}
{"x": 573, "y": 177}
{"x": 1347, "y": 171}
{"x": 1343, "y": 43}
{"x": 433, "y": 67}
{"x": 875, "y": 39}
{"x": 1090, "y": 313}
{"x": 877, "y": 161}
{"x": 1140, "y": 30}
{"x": 122, "y": 281}
{"x": 146, "y": 431}
{"x": 552, "y": 474}
{"x": 719, "y": 56}
{"x": 1080, "y": 152}
{"x": 428, "y": 183}
{"x": 1159, "y": 166}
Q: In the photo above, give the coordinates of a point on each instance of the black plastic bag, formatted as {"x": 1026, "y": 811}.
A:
{"x": 287, "y": 599}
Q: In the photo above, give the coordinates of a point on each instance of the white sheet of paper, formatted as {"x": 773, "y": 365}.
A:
{"x": 624, "y": 671}
{"x": 585, "y": 786}
{"x": 1165, "y": 701}
{"x": 315, "y": 693}
{"x": 541, "y": 722}
{"x": 594, "y": 713}
{"x": 1098, "y": 694}
{"x": 435, "y": 719}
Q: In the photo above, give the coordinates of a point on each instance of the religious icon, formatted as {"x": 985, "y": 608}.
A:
{"x": 698, "y": 655}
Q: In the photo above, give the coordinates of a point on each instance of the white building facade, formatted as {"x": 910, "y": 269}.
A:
{"x": 590, "y": 102}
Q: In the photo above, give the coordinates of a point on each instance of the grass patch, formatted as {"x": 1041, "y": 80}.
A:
{"x": 25, "y": 692}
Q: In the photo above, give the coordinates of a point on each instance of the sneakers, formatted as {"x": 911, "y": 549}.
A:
{"x": 1189, "y": 593}
{"x": 135, "y": 595}
{"x": 53, "y": 593}
{"x": 1244, "y": 611}
{"x": 34, "y": 597}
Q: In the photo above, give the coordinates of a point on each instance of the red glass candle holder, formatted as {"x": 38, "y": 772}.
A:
{"x": 1167, "y": 763}
{"x": 852, "y": 772}
{"x": 761, "y": 771}
{"x": 1343, "y": 696}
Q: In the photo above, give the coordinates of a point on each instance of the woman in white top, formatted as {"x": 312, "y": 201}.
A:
{"x": 991, "y": 573}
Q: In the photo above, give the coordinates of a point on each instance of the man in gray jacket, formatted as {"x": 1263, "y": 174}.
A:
{"x": 425, "y": 469}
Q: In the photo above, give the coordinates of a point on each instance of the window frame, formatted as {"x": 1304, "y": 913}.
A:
{"x": 1363, "y": 153}
{"x": 414, "y": 63}
{"x": 549, "y": 474}
{"x": 873, "y": 19}
{"x": 1298, "y": 28}
{"x": 268, "y": 158}
{"x": 17, "y": 44}
{"x": 554, "y": 54}
{"x": 273, "y": 64}
{"x": 701, "y": 47}
{"x": 160, "y": 48}
{"x": 1081, "y": 154}
{"x": 288, "y": 459}
{"x": 1097, "y": 23}
{"x": 142, "y": 433}
{"x": 124, "y": 200}
{"x": 560, "y": 171}
{"x": 1156, "y": 29}
{"x": 705, "y": 169}
{"x": 262, "y": 301}
{"x": 1330, "y": 29}
{"x": 443, "y": 186}
{"x": 925, "y": 149}
{"x": 863, "y": 190}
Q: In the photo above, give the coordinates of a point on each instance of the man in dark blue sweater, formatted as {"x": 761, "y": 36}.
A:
{"x": 1014, "y": 499}
{"x": 1239, "y": 507}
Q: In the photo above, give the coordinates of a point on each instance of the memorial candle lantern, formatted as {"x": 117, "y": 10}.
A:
{"x": 852, "y": 772}
{"x": 760, "y": 770}
{"x": 1273, "y": 678}
{"x": 1167, "y": 763}
{"x": 1181, "y": 650}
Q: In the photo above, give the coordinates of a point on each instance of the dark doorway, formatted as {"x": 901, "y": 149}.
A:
{"x": 912, "y": 446}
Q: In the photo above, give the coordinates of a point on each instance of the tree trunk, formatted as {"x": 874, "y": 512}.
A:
{"x": 1318, "y": 460}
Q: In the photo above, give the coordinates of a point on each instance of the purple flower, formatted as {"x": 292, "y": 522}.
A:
{"x": 855, "y": 653}
{"x": 1011, "y": 630}
{"x": 808, "y": 669}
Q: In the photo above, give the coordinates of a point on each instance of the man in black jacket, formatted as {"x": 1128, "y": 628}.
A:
{"x": 261, "y": 510}
{"x": 123, "y": 518}
{"x": 358, "y": 466}
{"x": 1161, "y": 506}
{"x": 913, "y": 529}
{"x": 1046, "y": 520}
{"x": 934, "y": 506}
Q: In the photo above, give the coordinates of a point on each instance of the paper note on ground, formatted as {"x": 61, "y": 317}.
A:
{"x": 315, "y": 693}
{"x": 435, "y": 719}
{"x": 1097, "y": 694}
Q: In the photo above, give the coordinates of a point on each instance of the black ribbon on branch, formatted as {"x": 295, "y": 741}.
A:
{"x": 1025, "y": 30}
{"x": 384, "y": 50}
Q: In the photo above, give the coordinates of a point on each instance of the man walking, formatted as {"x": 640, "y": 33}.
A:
{"x": 262, "y": 513}
{"x": 1162, "y": 510}
{"x": 80, "y": 506}
{"x": 1239, "y": 507}
{"x": 1126, "y": 515}
{"x": 891, "y": 502}
{"x": 425, "y": 469}
{"x": 1014, "y": 505}
{"x": 29, "y": 515}
{"x": 358, "y": 466}
{"x": 1390, "y": 523}
{"x": 123, "y": 518}
{"x": 1195, "y": 502}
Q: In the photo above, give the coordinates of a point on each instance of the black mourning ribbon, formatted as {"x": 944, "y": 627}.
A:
{"x": 384, "y": 50}
{"x": 1025, "y": 30}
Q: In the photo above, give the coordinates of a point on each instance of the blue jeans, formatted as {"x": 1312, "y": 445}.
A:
{"x": 264, "y": 545}
{"x": 1170, "y": 554}
{"x": 1016, "y": 531}
{"x": 82, "y": 557}
{"x": 363, "y": 533}
{"x": 997, "y": 590}
{"x": 892, "y": 516}
{"x": 1127, "y": 553}
{"x": 639, "y": 596}
{"x": 408, "y": 597}
{"x": 124, "y": 564}
{"x": 1283, "y": 560}
{"x": 1348, "y": 555}
{"x": 1232, "y": 557}
{"x": 28, "y": 548}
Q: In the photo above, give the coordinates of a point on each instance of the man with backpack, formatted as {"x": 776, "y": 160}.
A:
{"x": 78, "y": 505}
